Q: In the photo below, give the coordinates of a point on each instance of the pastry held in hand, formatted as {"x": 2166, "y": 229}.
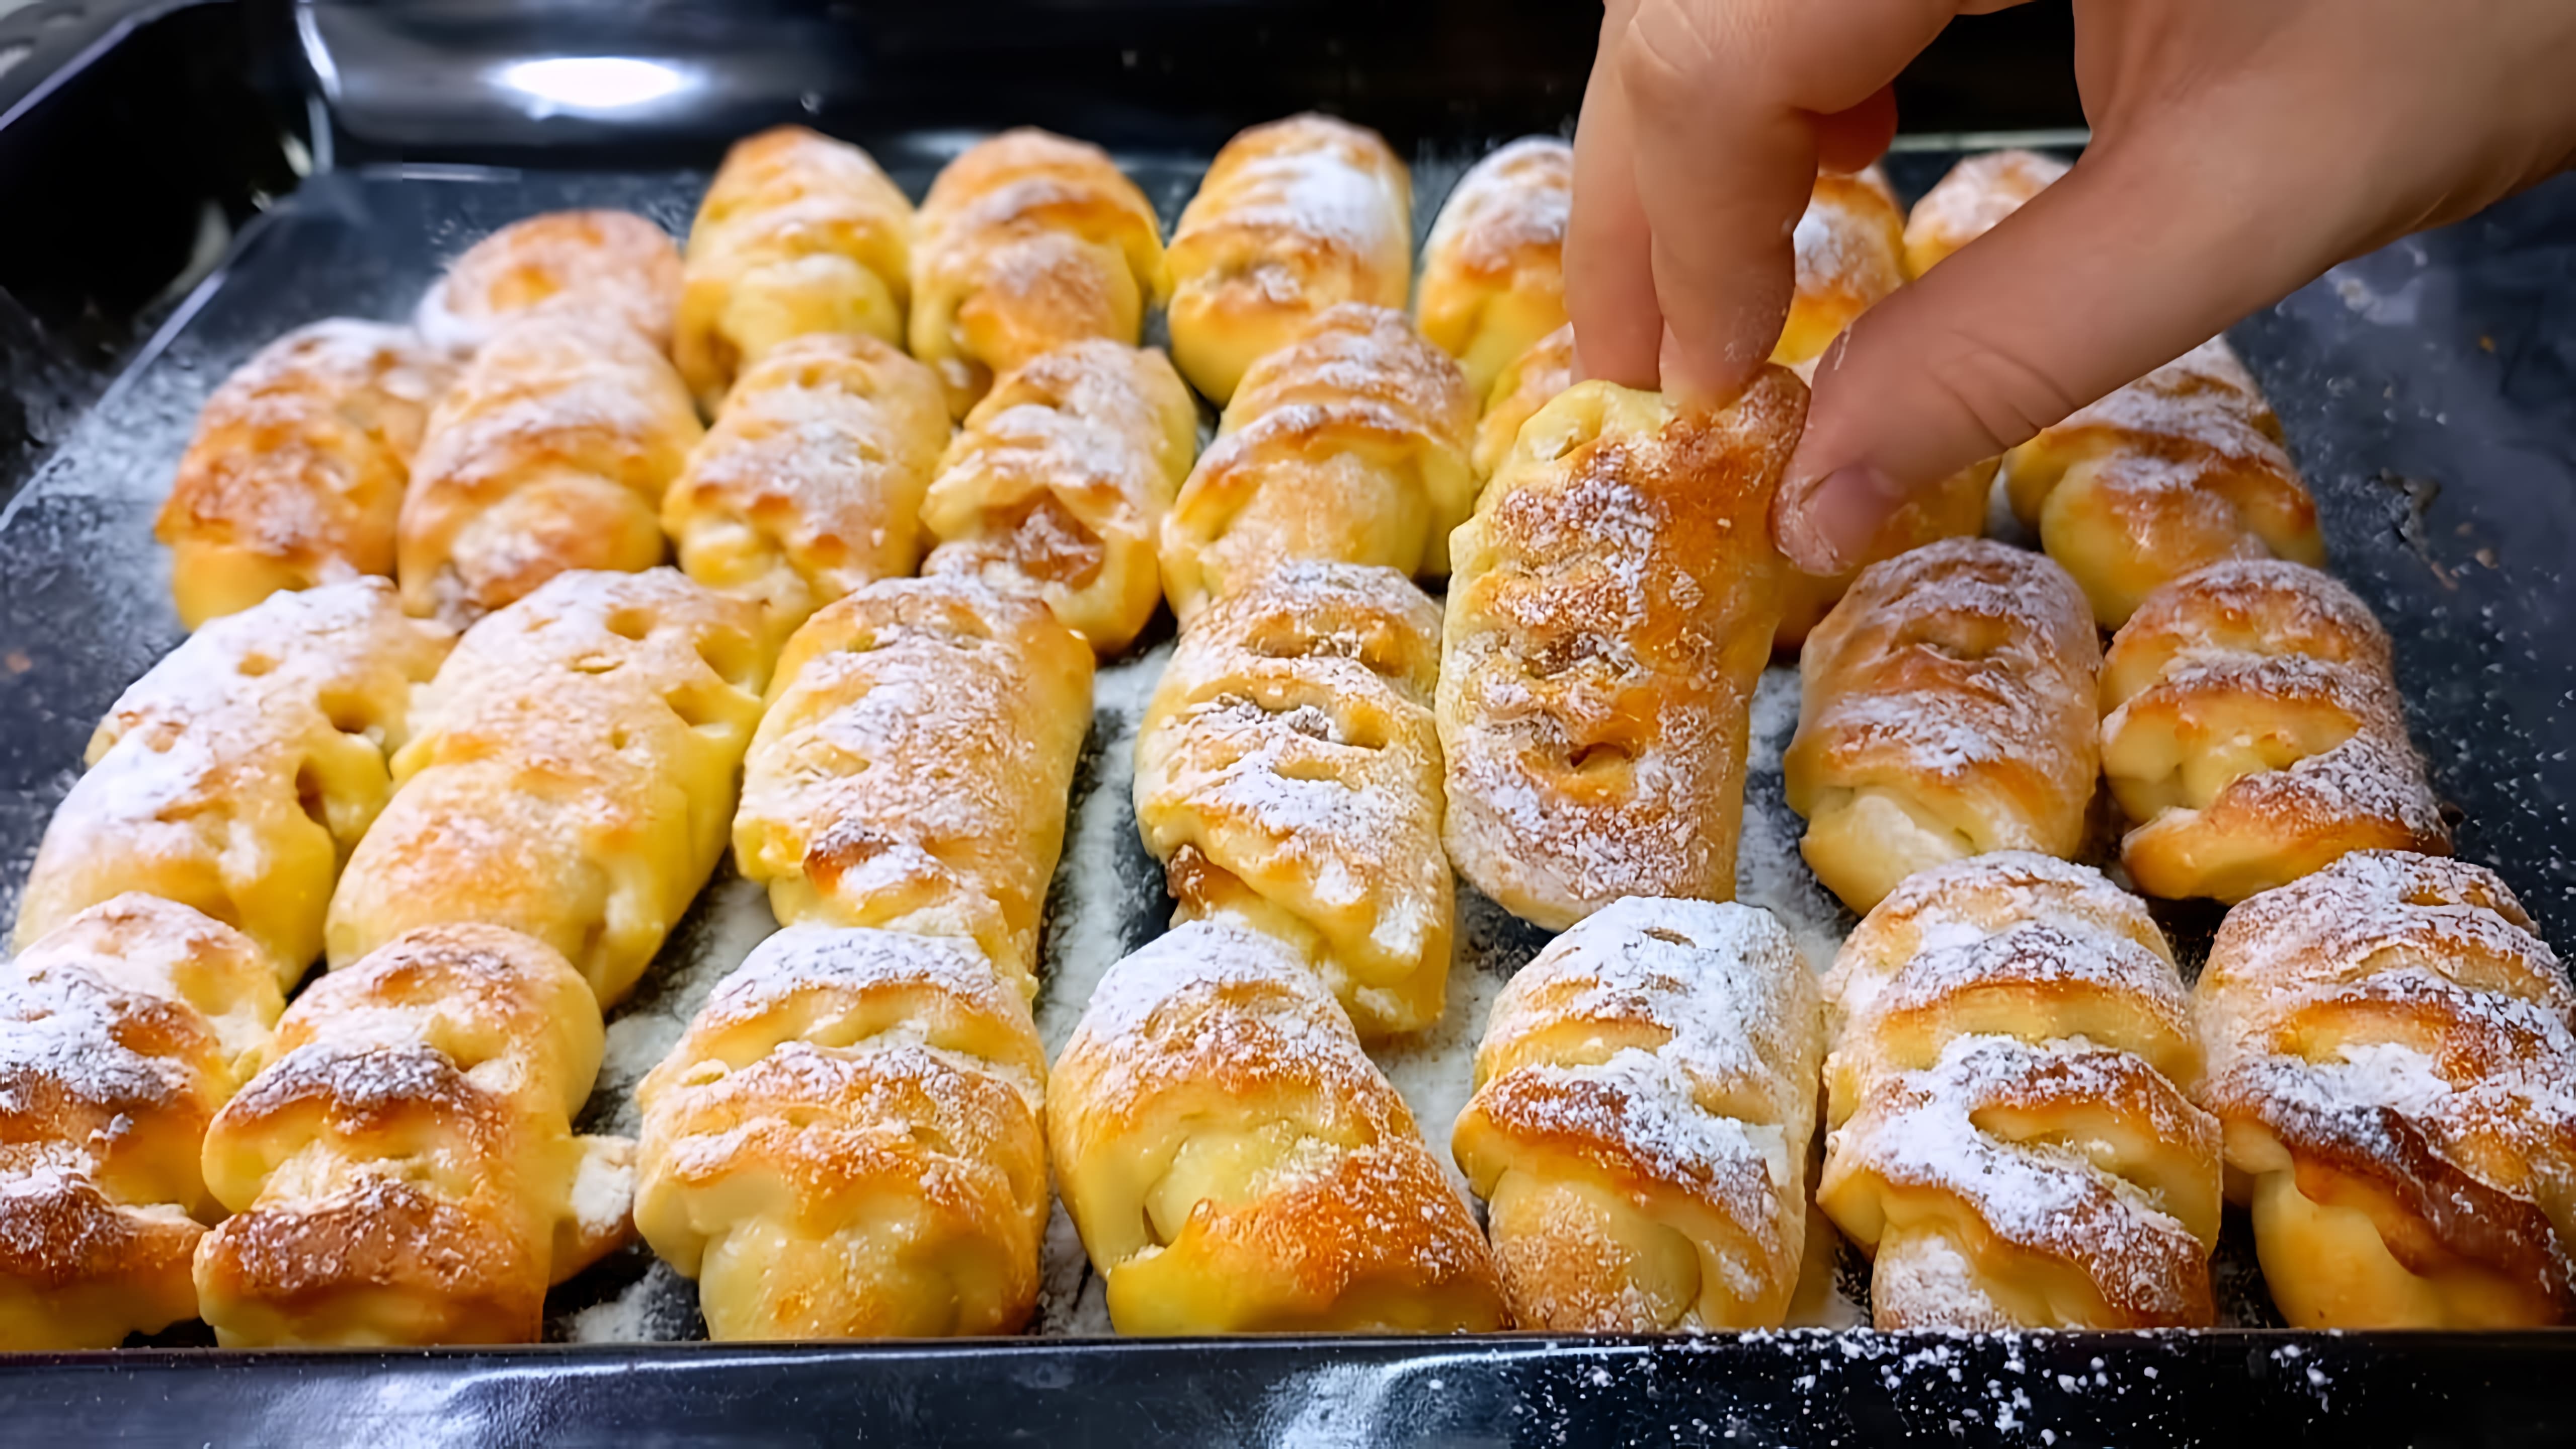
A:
{"x": 913, "y": 767}
{"x": 1612, "y": 607}
{"x": 1293, "y": 218}
{"x": 1493, "y": 273}
{"x": 1236, "y": 1164}
{"x": 1645, "y": 1099}
{"x": 551, "y": 453}
{"x": 614, "y": 266}
{"x": 799, "y": 234}
{"x": 2253, "y": 733}
{"x": 2012, "y": 1140}
{"x": 569, "y": 776}
{"x": 845, "y": 1143}
{"x": 402, "y": 1167}
{"x": 1967, "y": 202}
{"x": 296, "y": 473}
{"x": 1060, "y": 481}
{"x": 1949, "y": 711}
{"x": 1288, "y": 776}
{"x": 238, "y": 774}
{"x": 1349, "y": 444}
{"x": 2181, "y": 468}
{"x": 1028, "y": 241}
{"x": 810, "y": 483}
{"x": 2391, "y": 1055}
{"x": 119, "y": 1035}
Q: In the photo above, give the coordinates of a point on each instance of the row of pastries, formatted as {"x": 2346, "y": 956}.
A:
{"x": 484, "y": 791}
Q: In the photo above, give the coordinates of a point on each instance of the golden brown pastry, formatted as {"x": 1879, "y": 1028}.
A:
{"x": 913, "y": 768}
{"x": 1288, "y": 776}
{"x": 119, "y": 1034}
{"x": 1028, "y": 241}
{"x": 798, "y": 234}
{"x": 1948, "y": 711}
{"x": 1236, "y": 1164}
{"x": 2391, "y": 1056}
{"x": 1967, "y": 202}
{"x": 295, "y": 476}
{"x": 2252, "y": 733}
{"x": 238, "y": 774}
{"x": 810, "y": 483}
{"x": 611, "y": 265}
{"x": 1612, "y": 608}
{"x": 1060, "y": 481}
{"x": 1292, "y": 218}
{"x": 1493, "y": 273}
{"x": 845, "y": 1143}
{"x": 1645, "y": 1099}
{"x": 552, "y": 452}
{"x": 1348, "y": 444}
{"x": 1850, "y": 245}
{"x": 1530, "y": 382}
{"x": 2012, "y": 1141}
{"x": 2181, "y": 468}
{"x": 569, "y": 775}
{"x": 402, "y": 1168}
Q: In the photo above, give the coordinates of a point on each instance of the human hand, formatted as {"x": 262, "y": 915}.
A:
{"x": 2240, "y": 147}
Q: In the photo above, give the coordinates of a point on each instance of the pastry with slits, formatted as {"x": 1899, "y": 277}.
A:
{"x": 612, "y": 266}
{"x": 913, "y": 767}
{"x": 1236, "y": 1164}
{"x": 1615, "y": 597}
{"x": 401, "y": 1168}
{"x": 1645, "y": 1101}
{"x": 1493, "y": 272}
{"x": 122, "y": 1032}
{"x": 1970, "y": 199}
{"x": 238, "y": 774}
{"x": 1288, "y": 776}
{"x": 845, "y": 1143}
{"x": 570, "y": 775}
{"x": 2392, "y": 1054}
{"x": 1949, "y": 710}
{"x": 2012, "y": 1140}
{"x": 2252, "y": 733}
{"x": 1060, "y": 480}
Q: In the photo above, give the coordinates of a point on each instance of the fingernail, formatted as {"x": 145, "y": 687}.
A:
{"x": 1826, "y": 528}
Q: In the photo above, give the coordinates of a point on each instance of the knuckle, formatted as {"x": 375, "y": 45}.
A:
{"x": 2006, "y": 396}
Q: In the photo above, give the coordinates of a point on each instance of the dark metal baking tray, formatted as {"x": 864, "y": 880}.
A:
{"x": 2427, "y": 391}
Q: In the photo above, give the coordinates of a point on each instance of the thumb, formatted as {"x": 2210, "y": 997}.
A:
{"x": 2142, "y": 252}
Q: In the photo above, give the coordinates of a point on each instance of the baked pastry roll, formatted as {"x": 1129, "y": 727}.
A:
{"x": 1028, "y": 241}
{"x": 402, "y": 1168}
{"x": 2252, "y": 733}
{"x": 1645, "y": 1099}
{"x": 810, "y": 483}
{"x": 1236, "y": 1164}
{"x": 613, "y": 266}
{"x": 118, "y": 1037}
{"x": 552, "y": 452}
{"x": 845, "y": 1143}
{"x": 798, "y": 234}
{"x": 1948, "y": 711}
{"x": 1612, "y": 608}
{"x": 295, "y": 475}
{"x": 569, "y": 775}
{"x": 2012, "y": 1138}
{"x": 1967, "y": 202}
{"x": 1288, "y": 776}
{"x": 1292, "y": 218}
{"x": 2390, "y": 1054}
{"x": 1060, "y": 482}
{"x": 1531, "y": 381}
{"x": 1349, "y": 444}
{"x": 237, "y": 775}
{"x": 1493, "y": 273}
{"x": 1850, "y": 246}
{"x": 913, "y": 768}
{"x": 2181, "y": 468}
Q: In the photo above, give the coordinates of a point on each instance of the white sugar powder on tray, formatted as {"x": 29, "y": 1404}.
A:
{"x": 729, "y": 919}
